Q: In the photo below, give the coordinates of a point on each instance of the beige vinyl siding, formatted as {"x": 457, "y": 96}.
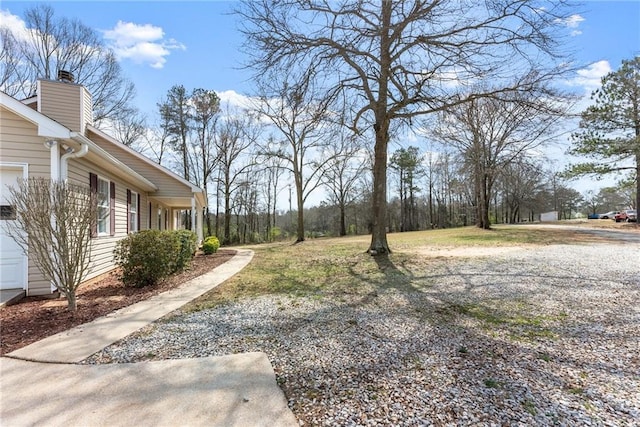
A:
{"x": 38, "y": 285}
{"x": 20, "y": 143}
{"x": 167, "y": 186}
{"x": 87, "y": 109}
{"x": 102, "y": 246}
{"x": 65, "y": 103}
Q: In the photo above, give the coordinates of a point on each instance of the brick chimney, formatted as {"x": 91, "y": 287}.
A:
{"x": 66, "y": 102}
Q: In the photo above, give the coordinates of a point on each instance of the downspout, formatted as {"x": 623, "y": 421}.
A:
{"x": 72, "y": 154}
{"x": 54, "y": 171}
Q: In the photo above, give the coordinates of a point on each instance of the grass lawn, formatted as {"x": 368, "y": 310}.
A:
{"x": 519, "y": 325}
{"x": 331, "y": 266}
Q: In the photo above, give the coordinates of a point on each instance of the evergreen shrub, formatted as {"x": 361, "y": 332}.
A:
{"x": 188, "y": 245}
{"x": 211, "y": 245}
{"x": 147, "y": 257}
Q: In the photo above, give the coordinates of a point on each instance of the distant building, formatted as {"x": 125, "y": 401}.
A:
{"x": 549, "y": 216}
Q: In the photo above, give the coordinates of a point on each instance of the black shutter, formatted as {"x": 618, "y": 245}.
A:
{"x": 138, "y": 212}
{"x": 112, "y": 213}
{"x": 93, "y": 186}
{"x": 128, "y": 209}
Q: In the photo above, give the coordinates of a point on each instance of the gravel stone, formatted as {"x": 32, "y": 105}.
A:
{"x": 540, "y": 336}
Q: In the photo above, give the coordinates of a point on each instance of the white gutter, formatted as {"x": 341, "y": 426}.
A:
{"x": 72, "y": 154}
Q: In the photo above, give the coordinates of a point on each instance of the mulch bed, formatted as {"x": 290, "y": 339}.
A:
{"x": 35, "y": 318}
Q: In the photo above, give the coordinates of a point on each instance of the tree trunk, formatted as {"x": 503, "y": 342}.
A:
{"x": 206, "y": 210}
{"x": 300, "y": 228}
{"x": 430, "y": 225}
{"x": 208, "y": 218}
{"x": 343, "y": 226}
{"x": 637, "y": 206}
{"x": 71, "y": 301}
{"x": 402, "y": 206}
{"x": 478, "y": 196}
{"x": 218, "y": 209}
{"x": 227, "y": 217}
{"x": 412, "y": 215}
{"x": 484, "y": 202}
{"x": 185, "y": 161}
{"x": 268, "y": 221}
{"x": 379, "y": 245}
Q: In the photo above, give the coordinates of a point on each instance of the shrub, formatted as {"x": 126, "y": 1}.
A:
{"x": 147, "y": 257}
{"x": 276, "y": 232}
{"x": 210, "y": 245}
{"x": 188, "y": 245}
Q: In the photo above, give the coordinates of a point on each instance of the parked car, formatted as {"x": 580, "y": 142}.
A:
{"x": 593, "y": 216}
{"x": 630, "y": 215}
{"x": 609, "y": 215}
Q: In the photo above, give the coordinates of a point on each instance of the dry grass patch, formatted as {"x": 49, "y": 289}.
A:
{"x": 331, "y": 267}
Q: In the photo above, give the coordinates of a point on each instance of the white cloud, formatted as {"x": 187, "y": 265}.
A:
{"x": 590, "y": 77}
{"x": 145, "y": 53}
{"x": 572, "y": 22}
{"x": 15, "y": 24}
{"x": 142, "y": 44}
{"x": 128, "y": 33}
{"x": 235, "y": 99}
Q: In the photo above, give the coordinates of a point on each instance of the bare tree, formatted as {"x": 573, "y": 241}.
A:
{"x": 236, "y": 133}
{"x": 14, "y": 78}
{"x": 129, "y": 126}
{"x": 490, "y": 133}
{"x": 521, "y": 179}
{"x": 299, "y": 112}
{"x": 272, "y": 173}
{"x": 245, "y": 205}
{"x": 156, "y": 140}
{"x": 53, "y": 225}
{"x": 402, "y": 59}
{"x": 52, "y": 44}
{"x": 342, "y": 170}
{"x": 206, "y": 106}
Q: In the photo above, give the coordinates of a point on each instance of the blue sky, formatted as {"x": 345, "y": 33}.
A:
{"x": 196, "y": 43}
{"x": 162, "y": 43}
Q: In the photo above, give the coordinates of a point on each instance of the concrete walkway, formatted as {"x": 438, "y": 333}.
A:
{"x": 41, "y": 384}
{"x": 76, "y": 344}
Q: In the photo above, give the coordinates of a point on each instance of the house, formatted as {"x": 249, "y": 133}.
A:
{"x": 52, "y": 135}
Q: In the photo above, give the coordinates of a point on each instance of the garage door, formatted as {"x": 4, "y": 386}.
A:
{"x": 13, "y": 264}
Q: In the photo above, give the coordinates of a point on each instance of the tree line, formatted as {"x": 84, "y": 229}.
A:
{"x": 336, "y": 86}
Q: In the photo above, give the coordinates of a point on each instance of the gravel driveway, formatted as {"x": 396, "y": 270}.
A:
{"x": 537, "y": 336}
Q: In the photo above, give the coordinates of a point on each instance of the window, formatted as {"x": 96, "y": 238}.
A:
{"x": 104, "y": 207}
{"x": 7, "y": 212}
{"x": 132, "y": 208}
{"x": 105, "y": 194}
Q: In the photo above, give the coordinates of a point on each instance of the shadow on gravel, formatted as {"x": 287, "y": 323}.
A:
{"x": 424, "y": 345}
